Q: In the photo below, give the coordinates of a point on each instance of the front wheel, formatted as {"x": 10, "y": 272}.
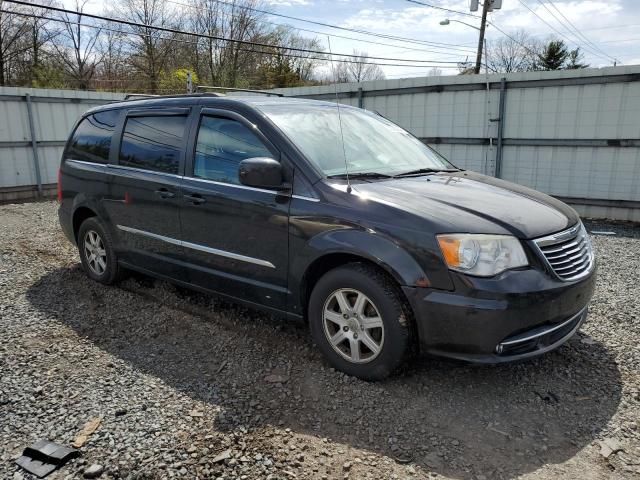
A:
{"x": 359, "y": 321}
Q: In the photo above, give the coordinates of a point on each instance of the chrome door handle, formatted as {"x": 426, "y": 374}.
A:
{"x": 195, "y": 199}
{"x": 164, "y": 193}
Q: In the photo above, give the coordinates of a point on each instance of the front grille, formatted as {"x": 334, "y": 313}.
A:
{"x": 568, "y": 254}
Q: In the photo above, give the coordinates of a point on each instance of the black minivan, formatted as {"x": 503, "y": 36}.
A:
{"x": 328, "y": 214}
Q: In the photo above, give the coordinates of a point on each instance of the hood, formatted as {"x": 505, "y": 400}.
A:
{"x": 468, "y": 202}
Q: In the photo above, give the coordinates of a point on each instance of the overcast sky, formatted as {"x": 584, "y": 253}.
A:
{"x": 613, "y": 27}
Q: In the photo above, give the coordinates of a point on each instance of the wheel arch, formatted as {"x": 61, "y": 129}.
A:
{"x": 80, "y": 214}
{"x": 340, "y": 248}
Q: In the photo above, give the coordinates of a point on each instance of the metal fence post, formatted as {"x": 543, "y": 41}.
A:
{"x": 360, "y": 98}
{"x": 503, "y": 94}
{"x": 34, "y": 145}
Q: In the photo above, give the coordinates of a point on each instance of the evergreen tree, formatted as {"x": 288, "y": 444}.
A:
{"x": 553, "y": 56}
{"x": 574, "y": 60}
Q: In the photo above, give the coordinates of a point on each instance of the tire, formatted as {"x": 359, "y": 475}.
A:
{"x": 94, "y": 237}
{"x": 382, "y": 305}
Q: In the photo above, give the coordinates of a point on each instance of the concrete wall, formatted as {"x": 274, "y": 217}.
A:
{"x": 572, "y": 134}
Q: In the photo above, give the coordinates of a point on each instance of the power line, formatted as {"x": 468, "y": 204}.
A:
{"x": 622, "y": 40}
{"x": 570, "y": 40}
{"x": 216, "y": 37}
{"x": 262, "y": 52}
{"x": 483, "y": 25}
{"x": 437, "y": 7}
{"x": 527, "y": 48}
{"x": 446, "y": 46}
{"x": 329, "y": 25}
{"x": 578, "y": 32}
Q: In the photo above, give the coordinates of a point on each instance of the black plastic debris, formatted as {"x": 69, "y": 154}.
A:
{"x": 44, "y": 456}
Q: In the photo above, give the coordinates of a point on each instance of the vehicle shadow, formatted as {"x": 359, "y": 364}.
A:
{"x": 449, "y": 417}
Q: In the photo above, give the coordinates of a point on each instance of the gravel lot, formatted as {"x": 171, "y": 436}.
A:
{"x": 189, "y": 387}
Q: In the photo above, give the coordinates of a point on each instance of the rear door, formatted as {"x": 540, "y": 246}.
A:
{"x": 145, "y": 182}
{"x": 235, "y": 237}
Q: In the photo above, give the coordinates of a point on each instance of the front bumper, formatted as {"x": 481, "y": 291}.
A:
{"x": 517, "y": 315}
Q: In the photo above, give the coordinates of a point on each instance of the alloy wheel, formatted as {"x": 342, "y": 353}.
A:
{"x": 95, "y": 253}
{"x": 353, "y": 325}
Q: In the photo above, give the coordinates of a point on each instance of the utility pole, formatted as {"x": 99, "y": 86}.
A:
{"x": 485, "y": 9}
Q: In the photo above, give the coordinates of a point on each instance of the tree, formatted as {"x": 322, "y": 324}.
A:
{"x": 176, "y": 80}
{"x": 360, "y": 71}
{"x": 553, "y": 56}
{"x": 356, "y": 68}
{"x": 150, "y": 48}
{"x": 113, "y": 72}
{"x": 517, "y": 52}
{"x": 241, "y": 23}
{"x": 574, "y": 62}
{"x": 77, "y": 50}
{"x": 284, "y": 67}
{"x": 207, "y": 20}
{"x": 13, "y": 32}
{"x": 434, "y": 72}
{"x": 42, "y": 32}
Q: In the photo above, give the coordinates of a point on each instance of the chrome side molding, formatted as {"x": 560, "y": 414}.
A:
{"x": 201, "y": 248}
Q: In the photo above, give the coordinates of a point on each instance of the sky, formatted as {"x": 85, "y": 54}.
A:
{"x": 610, "y": 29}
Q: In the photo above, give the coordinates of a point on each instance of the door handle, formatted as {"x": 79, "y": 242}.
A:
{"x": 164, "y": 193}
{"x": 195, "y": 199}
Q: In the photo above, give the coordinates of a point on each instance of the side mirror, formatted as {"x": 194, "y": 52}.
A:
{"x": 261, "y": 172}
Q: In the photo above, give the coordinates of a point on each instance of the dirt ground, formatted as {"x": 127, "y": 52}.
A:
{"x": 187, "y": 386}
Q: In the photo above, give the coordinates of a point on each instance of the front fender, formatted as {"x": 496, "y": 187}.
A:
{"x": 357, "y": 242}
{"x": 371, "y": 246}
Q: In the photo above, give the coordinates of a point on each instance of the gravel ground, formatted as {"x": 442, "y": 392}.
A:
{"x": 186, "y": 386}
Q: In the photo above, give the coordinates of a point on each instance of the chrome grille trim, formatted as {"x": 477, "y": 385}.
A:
{"x": 540, "y": 332}
{"x": 568, "y": 254}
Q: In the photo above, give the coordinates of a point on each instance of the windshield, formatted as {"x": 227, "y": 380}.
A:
{"x": 372, "y": 144}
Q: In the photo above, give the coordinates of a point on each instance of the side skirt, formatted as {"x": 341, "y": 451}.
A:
{"x": 256, "y": 306}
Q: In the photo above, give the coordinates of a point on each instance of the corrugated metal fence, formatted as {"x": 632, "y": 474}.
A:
{"x": 34, "y": 126}
{"x": 573, "y": 134}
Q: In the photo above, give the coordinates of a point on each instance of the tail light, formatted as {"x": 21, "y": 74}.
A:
{"x": 59, "y": 186}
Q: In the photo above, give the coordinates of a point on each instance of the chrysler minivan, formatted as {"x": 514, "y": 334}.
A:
{"x": 328, "y": 214}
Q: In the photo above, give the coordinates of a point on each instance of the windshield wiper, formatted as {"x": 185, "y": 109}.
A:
{"x": 421, "y": 171}
{"x": 358, "y": 175}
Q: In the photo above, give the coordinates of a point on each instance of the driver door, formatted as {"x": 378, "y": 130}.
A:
{"x": 235, "y": 237}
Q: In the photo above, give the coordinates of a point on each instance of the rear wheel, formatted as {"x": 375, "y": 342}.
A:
{"x": 97, "y": 253}
{"x": 359, "y": 321}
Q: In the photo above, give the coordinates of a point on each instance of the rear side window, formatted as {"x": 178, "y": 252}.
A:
{"x": 222, "y": 144}
{"x": 92, "y": 139}
{"x": 153, "y": 143}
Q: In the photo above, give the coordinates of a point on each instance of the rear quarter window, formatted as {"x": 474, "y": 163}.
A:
{"x": 91, "y": 141}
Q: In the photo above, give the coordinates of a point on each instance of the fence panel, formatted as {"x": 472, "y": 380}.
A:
{"x": 54, "y": 112}
{"x": 574, "y": 134}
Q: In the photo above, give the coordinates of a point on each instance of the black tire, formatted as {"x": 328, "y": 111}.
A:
{"x": 385, "y": 297}
{"x": 112, "y": 272}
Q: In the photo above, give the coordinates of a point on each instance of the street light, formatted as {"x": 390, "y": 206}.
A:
{"x": 446, "y": 21}
{"x": 481, "y": 43}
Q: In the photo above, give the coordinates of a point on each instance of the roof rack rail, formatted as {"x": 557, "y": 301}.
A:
{"x": 140, "y": 96}
{"x": 134, "y": 96}
{"x": 230, "y": 89}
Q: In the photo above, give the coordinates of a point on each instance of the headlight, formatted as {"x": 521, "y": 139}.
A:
{"x": 482, "y": 255}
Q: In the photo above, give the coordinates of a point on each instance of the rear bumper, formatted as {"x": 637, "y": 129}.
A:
{"x": 518, "y": 315}
{"x": 66, "y": 223}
